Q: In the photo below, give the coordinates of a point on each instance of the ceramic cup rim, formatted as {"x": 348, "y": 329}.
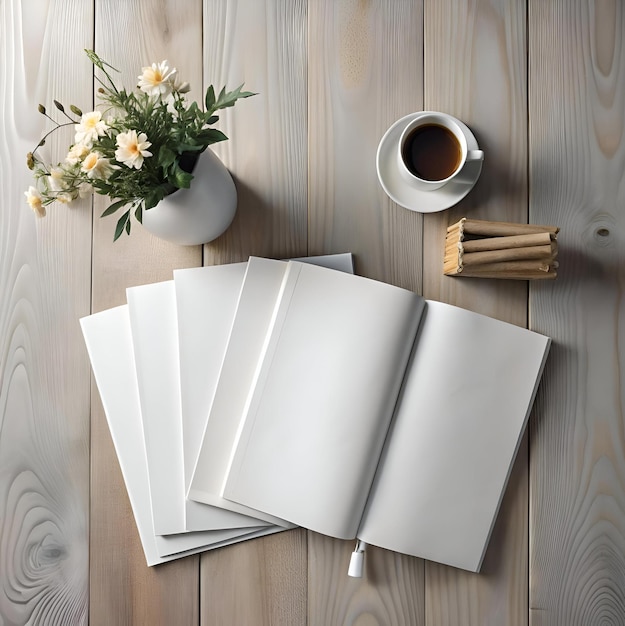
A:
{"x": 440, "y": 119}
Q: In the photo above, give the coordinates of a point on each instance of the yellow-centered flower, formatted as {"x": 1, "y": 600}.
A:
{"x": 76, "y": 154}
{"x": 33, "y": 197}
{"x": 157, "y": 79}
{"x": 132, "y": 148}
{"x": 90, "y": 128}
{"x": 96, "y": 166}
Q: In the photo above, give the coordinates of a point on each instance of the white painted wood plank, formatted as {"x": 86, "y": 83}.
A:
{"x": 577, "y": 160}
{"x": 44, "y": 371}
{"x": 475, "y": 59}
{"x": 130, "y": 35}
{"x": 262, "y": 43}
{"x": 365, "y": 72}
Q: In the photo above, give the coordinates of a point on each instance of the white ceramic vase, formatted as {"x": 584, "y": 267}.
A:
{"x": 201, "y": 213}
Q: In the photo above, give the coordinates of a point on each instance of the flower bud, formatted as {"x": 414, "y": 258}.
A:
{"x": 41, "y": 109}
{"x": 75, "y": 110}
{"x": 59, "y": 106}
{"x": 30, "y": 161}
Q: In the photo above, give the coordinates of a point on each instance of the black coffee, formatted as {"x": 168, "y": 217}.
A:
{"x": 431, "y": 152}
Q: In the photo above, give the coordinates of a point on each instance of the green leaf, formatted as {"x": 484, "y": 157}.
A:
{"x": 211, "y": 135}
{"x": 113, "y": 207}
{"x": 191, "y": 147}
{"x": 121, "y": 224}
{"x": 179, "y": 178}
{"x": 139, "y": 214}
{"x": 154, "y": 197}
{"x": 228, "y": 99}
{"x": 166, "y": 157}
{"x": 210, "y": 98}
{"x": 103, "y": 188}
{"x": 128, "y": 227}
{"x": 94, "y": 58}
{"x": 97, "y": 61}
{"x": 212, "y": 119}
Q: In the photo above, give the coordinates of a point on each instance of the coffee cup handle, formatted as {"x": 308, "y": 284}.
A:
{"x": 475, "y": 155}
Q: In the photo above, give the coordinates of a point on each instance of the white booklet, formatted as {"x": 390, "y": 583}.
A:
{"x": 252, "y": 318}
{"x": 206, "y": 301}
{"x": 154, "y": 326}
{"x": 241, "y": 349}
{"x": 376, "y": 415}
{"x": 180, "y": 330}
{"x": 109, "y": 344}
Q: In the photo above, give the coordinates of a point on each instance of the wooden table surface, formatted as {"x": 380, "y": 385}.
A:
{"x": 542, "y": 85}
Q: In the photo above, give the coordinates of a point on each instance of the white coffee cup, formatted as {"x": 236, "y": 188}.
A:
{"x": 433, "y": 151}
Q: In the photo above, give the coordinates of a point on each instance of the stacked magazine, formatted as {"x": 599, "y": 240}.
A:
{"x": 250, "y": 398}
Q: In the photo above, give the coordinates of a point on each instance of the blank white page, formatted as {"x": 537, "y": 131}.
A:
{"x": 206, "y": 300}
{"x": 154, "y": 329}
{"x": 109, "y": 344}
{"x": 462, "y": 412}
{"x": 257, "y": 300}
{"x": 323, "y": 399}
{"x": 238, "y": 352}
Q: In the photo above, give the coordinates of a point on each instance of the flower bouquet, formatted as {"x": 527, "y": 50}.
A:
{"x": 140, "y": 149}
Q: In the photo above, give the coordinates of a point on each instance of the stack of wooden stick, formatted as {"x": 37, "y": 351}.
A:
{"x": 480, "y": 248}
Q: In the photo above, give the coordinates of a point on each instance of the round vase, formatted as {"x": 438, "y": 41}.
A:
{"x": 200, "y": 213}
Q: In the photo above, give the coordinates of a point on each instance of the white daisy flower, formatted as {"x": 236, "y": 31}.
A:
{"x": 76, "y": 153}
{"x": 90, "y": 128}
{"x": 180, "y": 87}
{"x": 34, "y": 199}
{"x": 96, "y": 166}
{"x": 85, "y": 190}
{"x": 56, "y": 180}
{"x": 157, "y": 79}
{"x": 132, "y": 148}
{"x": 65, "y": 198}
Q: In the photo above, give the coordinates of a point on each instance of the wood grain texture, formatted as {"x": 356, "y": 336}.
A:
{"x": 475, "y": 69}
{"x": 475, "y": 60}
{"x": 261, "y": 43}
{"x": 166, "y": 33}
{"x": 264, "y": 45}
{"x": 331, "y": 78}
{"x": 365, "y": 72}
{"x": 261, "y": 582}
{"x": 44, "y": 381}
{"x": 390, "y": 591}
{"x": 123, "y": 589}
{"x": 577, "y": 160}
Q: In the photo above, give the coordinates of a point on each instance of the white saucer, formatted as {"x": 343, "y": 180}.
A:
{"x": 404, "y": 194}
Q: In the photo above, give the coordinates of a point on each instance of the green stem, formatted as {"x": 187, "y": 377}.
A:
{"x": 72, "y": 120}
{"x": 43, "y": 139}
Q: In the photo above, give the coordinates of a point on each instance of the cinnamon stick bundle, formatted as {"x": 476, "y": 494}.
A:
{"x": 480, "y": 248}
